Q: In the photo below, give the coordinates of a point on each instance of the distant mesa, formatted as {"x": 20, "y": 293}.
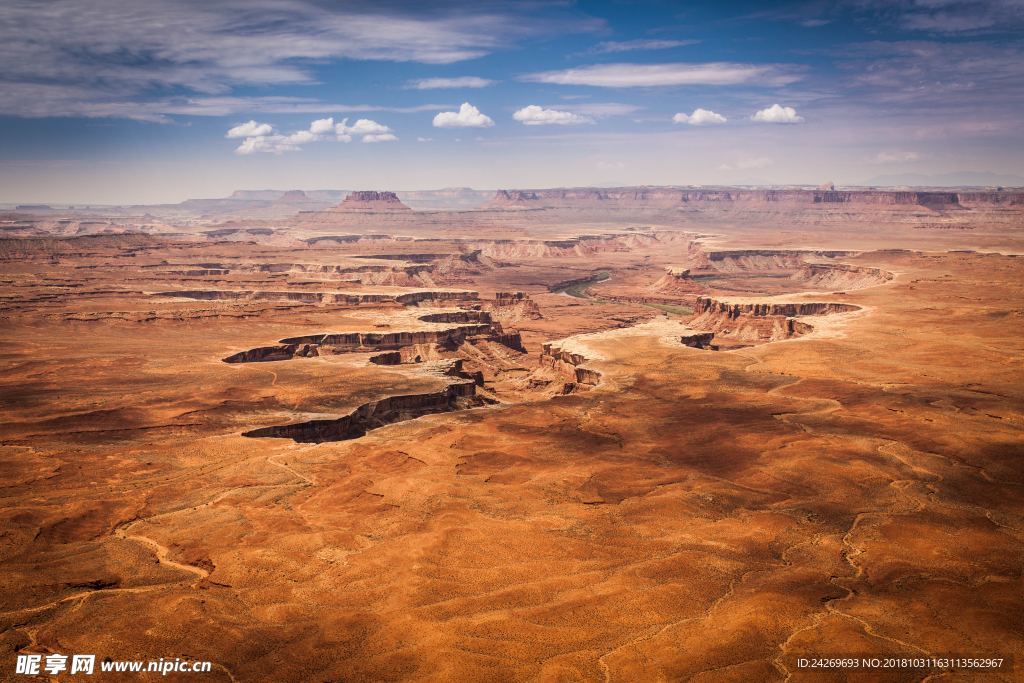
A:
{"x": 825, "y": 196}
{"x": 293, "y": 196}
{"x": 372, "y": 201}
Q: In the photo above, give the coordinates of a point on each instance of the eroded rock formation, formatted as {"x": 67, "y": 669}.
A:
{"x": 456, "y": 396}
{"x": 571, "y": 366}
{"x": 371, "y": 201}
{"x": 756, "y": 322}
{"x": 699, "y": 340}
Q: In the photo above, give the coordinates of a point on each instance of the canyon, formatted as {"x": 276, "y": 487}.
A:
{"x": 598, "y": 434}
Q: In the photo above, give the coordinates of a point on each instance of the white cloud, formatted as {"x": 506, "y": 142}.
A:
{"x": 273, "y": 144}
{"x": 700, "y": 117}
{"x": 260, "y": 137}
{"x": 613, "y": 46}
{"x": 534, "y": 115}
{"x": 467, "y": 116}
{"x": 777, "y": 114}
{"x": 459, "y": 82}
{"x": 646, "y": 75}
{"x": 361, "y": 127}
{"x": 896, "y": 157}
{"x": 421, "y": 139}
{"x": 322, "y": 126}
{"x": 302, "y": 136}
{"x": 746, "y": 164}
{"x": 111, "y": 58}
{"x": 250, "y": 129}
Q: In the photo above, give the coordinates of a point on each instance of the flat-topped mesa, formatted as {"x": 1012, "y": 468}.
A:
{"x": 756, "y": 260}
{"x": 436, "y": 297}
{"x": 840, "y": 276}
{"x": 371, "y": 201}
{"x": 513, "y": 306}
{"x": 569, "y": 365}
{"x": 292, "y": 196}
{"x": 761, "y": 309}
{"x": 414, "y": 346}
{"x": 758, "y": 322}
{"x": 356, "y": 342}
{"x": 683, "y": 197}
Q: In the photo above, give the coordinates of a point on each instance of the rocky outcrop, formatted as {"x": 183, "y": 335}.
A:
{"x": 376, "y": 414}
{"x": 361, "y": 342}
{"x": 371, "y": 201}
{"x": 350, "y": 299}
{"x": 839, "y": 276}
{"x": 699, "y": 340}
{"x": 513, "y": 307}
{"x": 755, "y": 260}
{"x": 756, "y": 322}
{"x": 677, "y": 282}
{"x": 571, "y": 366}
{"x": 263, "y": 354}
{"x": 412, "y": 347}
{"x": 997, "y": 198}
{"x": 416, "y": 298}
{"x": 440, "y": 297}
{"x": 761, "y": 309}
{"x": 482, "y": 317}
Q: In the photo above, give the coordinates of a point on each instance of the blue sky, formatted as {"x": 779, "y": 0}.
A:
{"x": 107, "y": 101}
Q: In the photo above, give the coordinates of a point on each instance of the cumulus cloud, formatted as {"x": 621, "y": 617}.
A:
{"x": 614, "y": 46}
{"x": 250, "y": 129}
{"x": 467, "y": 116}
{"x": 534, "y": 115}
{"x": 322, "y": 126}
{"x": 273, "y": 144}
{"x": 645, "y": 75}
{"x": 700, "y": 117}
{"x": 361, "y": 127}
{"x": 261, "y": 137}
{"x": 459, "y": 82}
{"x": 777, "y": 114}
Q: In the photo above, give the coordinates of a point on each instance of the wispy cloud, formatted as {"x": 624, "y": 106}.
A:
{"x": 896, "y": 157}
{"x": 948, "y": 16}
{"x": 95, "y": 58}
{"x": 624, "y": 75}
{"x": 447, "y": 83}
{"x": 615, "y": 46}
{"x": 746, "y": 164}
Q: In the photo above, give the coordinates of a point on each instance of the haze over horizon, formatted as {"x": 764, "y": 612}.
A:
{"x": 108, "y": 103}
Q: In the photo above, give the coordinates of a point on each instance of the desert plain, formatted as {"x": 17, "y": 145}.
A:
{"x": 597, "y": 435}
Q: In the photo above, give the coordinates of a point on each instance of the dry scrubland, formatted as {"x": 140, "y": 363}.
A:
{"x": 551, "y": 439}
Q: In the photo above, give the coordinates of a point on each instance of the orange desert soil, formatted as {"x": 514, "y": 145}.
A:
{"x": 518, "y": 444}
